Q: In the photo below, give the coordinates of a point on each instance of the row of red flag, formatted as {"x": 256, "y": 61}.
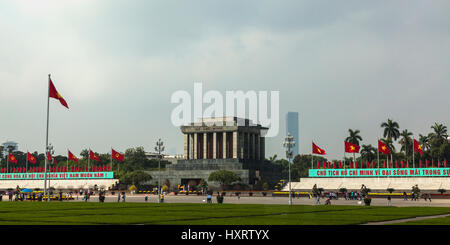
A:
{"x": 334, "y": 165}
{"x": 354, "y": 148}
{"x": 56, "y": 169}
{"x": 114, "y": 155}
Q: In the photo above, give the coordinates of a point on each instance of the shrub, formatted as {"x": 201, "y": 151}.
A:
{"x": 132, "y": 188}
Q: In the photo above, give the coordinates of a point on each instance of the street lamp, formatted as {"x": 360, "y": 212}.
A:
{"x": 289, "y": 143}
{"x": 159, "y": 148}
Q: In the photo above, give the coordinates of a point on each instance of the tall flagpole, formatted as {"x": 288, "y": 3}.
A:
{"x": 414, "y": 160}
{"x": 67, "y": 166}
{"x": 46, "y": 138}
{"x": 111, "y": 158}
{"x": 89, "y": 158}
{"x": 378, "y": 154}
{"x": 26, "y": 165}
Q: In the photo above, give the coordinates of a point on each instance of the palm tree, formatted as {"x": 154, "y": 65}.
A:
{"x": 440, "y": 132}
{"x": 368, "y": 152}
{"x": 437, "y": 138}
{"x": 424, "y": 141}
{"x": 389, "y": 145}
{"x": 406, "y": 141}
{"x": 391, "y": 133}
{"x": 353, "y": 138}
{"x": 391, "y": 129}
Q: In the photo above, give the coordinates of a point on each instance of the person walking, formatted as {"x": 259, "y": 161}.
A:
{"x": 389, "y": 203}
{"x": 118, "y": 197}
{"x": 429, "y": 197}
{"x": 146, "y": 197}
{"x": 123, "y": 196}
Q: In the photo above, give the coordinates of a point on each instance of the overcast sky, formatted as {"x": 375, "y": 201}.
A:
{"x": 340, "y": 64}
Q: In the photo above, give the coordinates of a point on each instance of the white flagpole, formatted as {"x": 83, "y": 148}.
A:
{"x": 378, "y": 154}
{"x": 89, "y": 159}
{"x": 414, "y": 159}
{"x": 26, "y": 165}
{"x": 111, "y": 158}
{"x": 67, "y": 166}
{"x": 46, "y": 138}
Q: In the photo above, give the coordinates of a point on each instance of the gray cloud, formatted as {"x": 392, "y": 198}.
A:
{"x": 339, "y": 64}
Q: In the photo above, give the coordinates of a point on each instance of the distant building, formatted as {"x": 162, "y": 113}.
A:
{"x": 232, "y": 146}
{"x": 292, "y": 128}
{"x": 9, "y": 145}
{"x": 170, "y": 158}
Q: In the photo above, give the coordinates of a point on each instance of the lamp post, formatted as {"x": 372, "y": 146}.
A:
{"x": 289, "y": 143}
{"x": 51, "y": 151}
{"x": 159, "y": 148}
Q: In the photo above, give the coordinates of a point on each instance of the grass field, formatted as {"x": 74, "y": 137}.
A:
{"x": 78, "y": 213}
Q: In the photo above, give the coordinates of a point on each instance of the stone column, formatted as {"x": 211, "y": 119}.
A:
{"x": 262, "y": 147}
{"x": 205, "y": 145}
{"x": 186, "y": 146}
{"x": 253, "y": 146}
{"x": 248, "y": 151}
{"x": 235, "y": 144}
{"x": 214, "y": 145}
{"x": 195, "y": 145}
{"x": 191, "y": 146}
{"x": 257, "y": 147}
{"x": 224, "y": 145}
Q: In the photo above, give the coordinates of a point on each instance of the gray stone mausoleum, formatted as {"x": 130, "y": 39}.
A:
{"x": 212, "y": 144}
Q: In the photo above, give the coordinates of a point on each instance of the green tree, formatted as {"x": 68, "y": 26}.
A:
{"x": 424, "y": 141}
{"x": 391, "y": 130}
{"x": 368, "y": 152}
{"x": 440, "y": 132}
{"x": 353, "y": 138}
{"x": 300, "y": 166}
{"x": 390, "y": 146}
{"x": 406, "y": 142}
{"x": 224, "y": 177}
{"x": 135, "y": 177}
{"x": 391, "y": 133}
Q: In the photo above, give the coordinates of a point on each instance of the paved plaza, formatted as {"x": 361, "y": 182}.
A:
{"x": 272, "y": 200}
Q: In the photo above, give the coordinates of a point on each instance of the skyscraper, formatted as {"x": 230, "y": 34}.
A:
{"x": 292, "y": 128}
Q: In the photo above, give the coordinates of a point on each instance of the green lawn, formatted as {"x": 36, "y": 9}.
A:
{"x": 79, "y": 213}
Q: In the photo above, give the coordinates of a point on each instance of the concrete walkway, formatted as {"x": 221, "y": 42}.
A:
{"x": 406, "y": 220}
{"x": 274, "y": 200}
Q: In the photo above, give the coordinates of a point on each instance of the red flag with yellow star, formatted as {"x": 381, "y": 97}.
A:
{"x": 72, "y": 157}
{"x": 351, "y": 148}
{"x": 53, "y": 93}
{"x": 417, "y": 147}
{"x": 93, "y": 156}
{"x": 12, "y": 158}
{"x": 383, "y": 148}
{"x": 116, "y": 155}
{"x": 317, "y": 150}
{"x": 31, "y": 158}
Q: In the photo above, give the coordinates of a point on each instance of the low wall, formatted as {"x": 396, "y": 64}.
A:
{"x": 375, "y": 184}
